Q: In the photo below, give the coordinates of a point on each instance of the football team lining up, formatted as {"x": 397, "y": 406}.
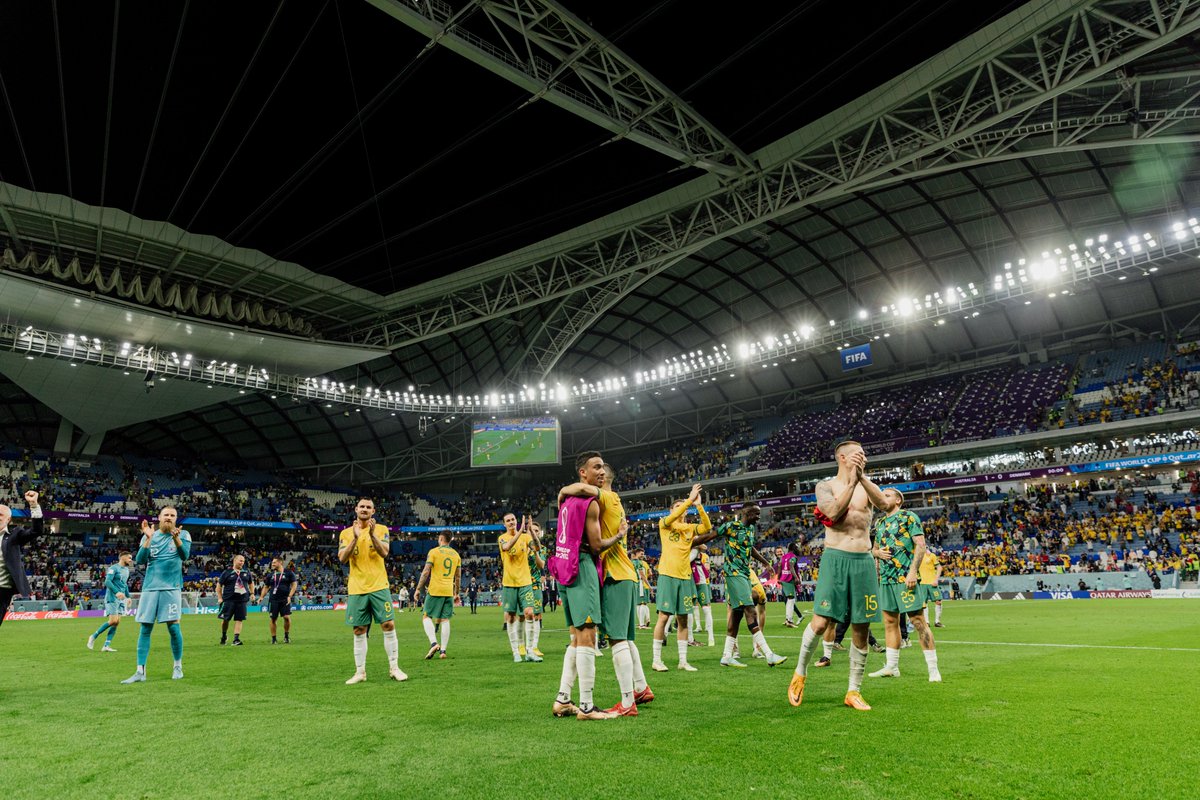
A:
{"x": 863, "y": 570}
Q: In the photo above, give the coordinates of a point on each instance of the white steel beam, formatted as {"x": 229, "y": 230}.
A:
{"x": 552, "y": 54}
{"x": 1057, "y": 84}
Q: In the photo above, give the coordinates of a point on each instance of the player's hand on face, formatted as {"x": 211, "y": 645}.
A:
{"x": 31, "y": 497}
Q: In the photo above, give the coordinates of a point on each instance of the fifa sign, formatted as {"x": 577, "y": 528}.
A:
{"x": 856, "y": 357}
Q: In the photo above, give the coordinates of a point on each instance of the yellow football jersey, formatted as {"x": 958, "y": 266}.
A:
{"x": 444, "y": 563}
{"x": 676, "y": 538}
{"x": 754, "y": 579}
{"x": 928, "y": 568}
{"x": 516, "y": 561}
{"x": 617, "y": 563}
{"x": 368, "y": 571}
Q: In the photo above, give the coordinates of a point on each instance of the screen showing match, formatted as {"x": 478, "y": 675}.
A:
{"x": 512, "y": 442}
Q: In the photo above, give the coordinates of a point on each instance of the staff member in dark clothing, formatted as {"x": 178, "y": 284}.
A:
{"x": 12, "y": 565}
{"x": 280, "y": 585}
{"x": 234, "y": 588}
{"x": 473, "y": 595}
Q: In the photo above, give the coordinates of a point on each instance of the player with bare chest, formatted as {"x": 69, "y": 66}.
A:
{"x": 847, "y": 582}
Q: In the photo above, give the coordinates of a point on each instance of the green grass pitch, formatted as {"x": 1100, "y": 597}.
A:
{"x": 1108, "y": 713}
{"x": 505, "y": 448}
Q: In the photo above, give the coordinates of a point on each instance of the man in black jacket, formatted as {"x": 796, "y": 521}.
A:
{"x": 12, "y": 565}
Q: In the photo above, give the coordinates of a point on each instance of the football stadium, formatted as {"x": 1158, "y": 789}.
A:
{"x": 514, "y": 398}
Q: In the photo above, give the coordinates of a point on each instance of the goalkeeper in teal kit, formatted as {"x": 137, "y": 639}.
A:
{"x": 163, "y": 552}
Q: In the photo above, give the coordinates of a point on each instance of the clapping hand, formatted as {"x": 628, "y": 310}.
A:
{"x": 694, "y": 497}
{"x": 624, "y": 529}
{"x": 147, "y": 531}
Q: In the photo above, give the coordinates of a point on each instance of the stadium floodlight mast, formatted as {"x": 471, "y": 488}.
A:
{"x": 1065, "y": 269}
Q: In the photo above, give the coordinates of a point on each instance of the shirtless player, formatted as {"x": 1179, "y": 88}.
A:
{"x": 846, "y": 582}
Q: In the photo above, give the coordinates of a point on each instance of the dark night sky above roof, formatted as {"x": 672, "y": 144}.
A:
{"x": 238, "y": 119}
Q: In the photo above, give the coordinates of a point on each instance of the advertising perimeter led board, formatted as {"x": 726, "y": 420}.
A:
{"x": 513, "y": 442}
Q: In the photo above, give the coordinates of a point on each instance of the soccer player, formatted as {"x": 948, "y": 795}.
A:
{"x": 900, "y": 548}
{"x": 787, "y": 580}
{"x": 578, "y": 543}
{"x": 675, "y": 586}
{"x": 643, "y": 571}
{"x": 12, "y": 567}
{"x": 281, "y": 586}
{"x": 517, "y": 587}
{"x": 758, "y": 594}
{"x": 739, "y": 550}
{"x": 163, "y": 552}
{"x": 364, "y": 546}
{"x": 700, "y": 574}
{"x": 537, "y": 577}
{"x": 846, "y": 578}
{"x": 234, "y": 588}
{"x": 443, "y": 575}
{"x": 618, "y": 603}
{"x": 931, "y": 575}
{"x": 116, "y": 591}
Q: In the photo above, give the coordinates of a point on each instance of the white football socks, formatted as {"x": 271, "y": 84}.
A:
{"x": 828, "y": 649}
{"x": 529, "y": 628}
{"x": 931, "y": 661}
{"x": 639, "y": 675}
{"x": 760, "y": 642}
{"x": 893, "y": 658}
{"x": 730, "y": 643}
{"x": 808, "y": 643}
{"x": 391, "y": 646}
{"x": 790, "y": 611}
{"x": 514, "y": 639}
{"x": 537, "y": 632}
{"x": 585, "y": 665}
{"x": 360, "y": 652}
{"x": 858, "y": 665}
{"x": 430, "y": 633}
{"x": 937, "y": 614}
{"x": 683, "y": 648}
{"x": 566, "y": 683}
{"x": 623, "y": 666}
{"x": 708, "y": 620}
{"x": 445, "y": 633}
{"x": 658, "y": 648}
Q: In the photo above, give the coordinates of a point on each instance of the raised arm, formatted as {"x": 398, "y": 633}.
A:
{"x": 382, "y": 546}
{"x": 591, "y": 529}
{"x": 874, "y": 493}
{"x": 833, "y": 505}
{"x": 143, "y": 553}
{"x": 705, "y": 524}
{"x": 345, "y": 550}
{"x": 578, "y": 489}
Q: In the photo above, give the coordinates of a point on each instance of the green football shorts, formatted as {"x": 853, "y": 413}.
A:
{"x": 363, "y": 609}
{"x": 847, "y": 585}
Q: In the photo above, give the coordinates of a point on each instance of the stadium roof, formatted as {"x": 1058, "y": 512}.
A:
{"x": 433, "y": 246}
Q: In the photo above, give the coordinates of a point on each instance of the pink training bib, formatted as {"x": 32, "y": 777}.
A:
{"x": 786, "y": 574}
{"x": 572, "y": 517}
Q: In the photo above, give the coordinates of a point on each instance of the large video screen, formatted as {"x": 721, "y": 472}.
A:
{"x": 512, "y": 442}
